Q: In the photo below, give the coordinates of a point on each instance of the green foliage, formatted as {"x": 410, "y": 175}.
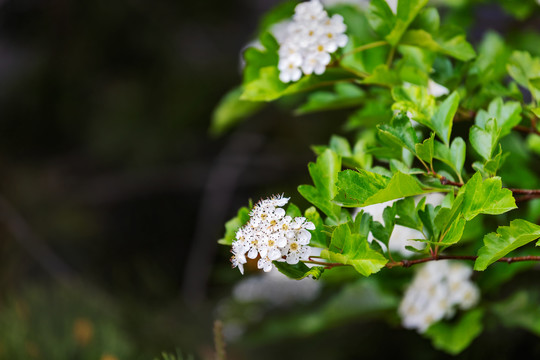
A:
{"x": 299, "y": 271}
{"x": 362, "y": 188}
{"x": 507, "y": 239}
{"x": 353, "y": 249}
{"x": 520, "y": 310}
{"x": 485, "y": 197}
{"x": 324, "y": 174}
{"x": 454, "y": 338}
{"x": 430, "y": 113}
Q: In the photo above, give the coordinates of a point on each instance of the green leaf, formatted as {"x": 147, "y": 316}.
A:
{"x": 520, "y": 310}
{"x": 256, "y": 59}
{"x": 380, "y": 17}
{"x": 382, "y": 75}
{"x": 416, "y": 102}
{"x": 400, "y": 132}
{"x": 293, "y": 210}
{"x": 324, "y": 174}
{"x": 507, "y": 239}
{"x": 267, "y": 86}
{"x": 299, "y": 271}
{"x": 485, "y": 140}
{"x": 490, "y": 64}
{"x": 453, "y": 156}
{"x": 318, "y": 237}
{"x": 354, "y": 250}
{"x": 524, "y": 69}
{"x": 232, "y": 226}
{"x": 428, "y": 19}
{"x": 443, "y": 118}
{"x": 456, "y": 337}
{"x": 362, "y": 188}
{"x": 507, "y": 114}
{"x": 449, "y": 41}
{"x": 454, "y": 233}
{"x": 485, "y": 197}
{"x": 231, "y": 110}
{"x": 425, "y": 150}
{"x": 345, "y": 95}
{"x": 406, "y": 12}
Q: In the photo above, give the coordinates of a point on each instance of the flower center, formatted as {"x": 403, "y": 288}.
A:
{"x": 294, "y": 246}
{"x": 271, "y": 243}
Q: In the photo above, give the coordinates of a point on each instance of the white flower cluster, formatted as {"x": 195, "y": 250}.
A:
{"x": 311, "y": 37}
{"x": 438, "y": 288}
{"x": 272, "y": 235}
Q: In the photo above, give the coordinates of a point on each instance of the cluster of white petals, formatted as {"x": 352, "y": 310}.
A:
{"x": 310, "y": 39}
{"x": 272, "y": 235}
{"x": 438, "y": 289}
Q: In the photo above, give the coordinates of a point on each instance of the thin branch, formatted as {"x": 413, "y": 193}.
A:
{"x": 527, "y": 130}
{"x": 409, "y": 263}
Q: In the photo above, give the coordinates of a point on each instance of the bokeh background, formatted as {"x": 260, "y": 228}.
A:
{"x": 113, "y": 192}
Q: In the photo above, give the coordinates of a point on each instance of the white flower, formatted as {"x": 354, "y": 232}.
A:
{"x": 436, "y": 89}
{"x": 311, "y": 37}
{"x": 309, "y": 11}
{"x": 272, "y": 235}
{"x": 437, "y": 290}
{"x": 289, "y": 68}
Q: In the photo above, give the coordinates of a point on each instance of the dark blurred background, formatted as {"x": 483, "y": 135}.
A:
{"x": 111, "y": 187}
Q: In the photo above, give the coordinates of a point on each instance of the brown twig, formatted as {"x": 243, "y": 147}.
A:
{"x": 409, "y": 263}
{"x": 526, "y": 129}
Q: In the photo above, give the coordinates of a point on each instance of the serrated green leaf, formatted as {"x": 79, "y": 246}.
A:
{"x": 354, "y": 250}
{"x": 505, "y": 240}
{"x": 443, "y": 118}
{"x": 507, "y": 114}
{"x": 324, "y": 174}
{"x": 485, "y": 197}
{"x": 298, "y": 271}
{"x": 231, "y": 226}
{"x": 456, "y": 337}
{"x": 400, "y": 132}
{"x": 362, "y": 188}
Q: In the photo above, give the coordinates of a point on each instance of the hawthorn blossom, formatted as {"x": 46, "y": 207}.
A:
{"x": 437, "y": 290}
{"x": 271, "y": 235}
{"x": 310, "y": 39}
